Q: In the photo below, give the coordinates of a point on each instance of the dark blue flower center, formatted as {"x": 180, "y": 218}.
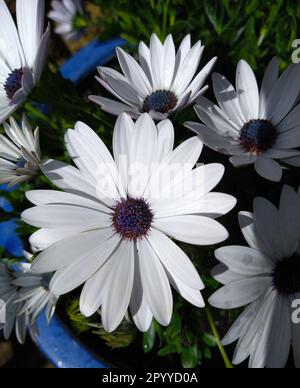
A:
{"x": 161, "y": 101}
{"x": 286, "y": 276}
{"x": 132, "y": 218}
{"x": 258, "y": 136}
{"x": 13, "y": 83}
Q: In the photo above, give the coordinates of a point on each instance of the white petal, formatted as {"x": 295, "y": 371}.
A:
{"x": 10, "y": 46}
{"x": 245, "y": 261}
{"x": 269, "y": 80}
{"x": 191, "y": 229}
{"x": 142, "y": 155}
{"x": 174, "y": 260}
{"x": 157, "y": 62}
{"x": 66, "y": 217}
{"x": 134, "y": 73}
{"x": 240, "y": 293}
{"x": 118, "y": 291}
{"x": 69, "y": 178}
{"x": 30, "y": 18}
{"x": 253, "y": 235}
{"x": 247, "y": 90}
{"x": 155, "y": 284}
{"x": 113, "y": 107}
{"x": 289, "y": 220}
{"x": 266, "y": 221}
{"x": 227, "y": 98}
{"x": 84, "y": 266}
{"x": 268, "y": 169}
{"x": 64, "y": 252}
{"x": 165, "y": 141}
{"x": 139, "y": 308}
{"x": 284, "y": 94}
{"x": 278, "y": 345}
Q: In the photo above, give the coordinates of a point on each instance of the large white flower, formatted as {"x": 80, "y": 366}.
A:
{"x": 14, "y": 317}
{"x": 64, "y": 14}
{"x": 111, "y": 230}
{"x": 23, "y": 52}
{"x": 254, "y": 127}
{"x": 20, "y": 153}
{"x": 162, "y": 83}
{"x": 265, "y": 277}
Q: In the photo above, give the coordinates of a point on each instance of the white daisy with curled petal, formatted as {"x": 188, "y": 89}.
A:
{"x": 109, "y": 229}
{"x": 64, "y": 13}
{"x": 14, "y": 317}
{"x": 161, "y": 83}
{"x": 254, "y": 127}
{"x": 266, "y": 278}
{"x": 23, "y": 52}
{"x": 20, "y": 153}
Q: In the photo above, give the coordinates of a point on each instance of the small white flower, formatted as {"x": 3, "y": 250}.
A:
{"x": 64, "y": 14}
{"x": 14, "y": 318}
{"x": 20, "y": 153}
{"x": 109, "y": 230}
{"x": 265, "y": 277}
{"x": 162, "y": 83}
{"x": 23, "y": 53}
{"x": 254, "y": 127}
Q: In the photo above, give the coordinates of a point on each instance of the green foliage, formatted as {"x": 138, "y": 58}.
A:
{"x": 120, "y": 338}
{"x": 186, "y": 336}
{"x": 79, "y": 322}
{"x": 254, "y": 30}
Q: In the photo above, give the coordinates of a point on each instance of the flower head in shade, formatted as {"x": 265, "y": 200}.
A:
{"x": 161, "y": 83}
{"x": 254, "y": 127}
{"x": 23, "y": 53}
{"x": 20, "y": 154}
{"x": 34, "y": 294}
{"x": 110, "y": 229}
{"x": 67, "y": 14}
{"x": 266, "y": 277}
{"x": 14, "y": 317}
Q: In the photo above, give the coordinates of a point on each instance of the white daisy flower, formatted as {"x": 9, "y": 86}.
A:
{"x": 23, "y": 53}
{"x": 110, "y": 231}
{"x": 162, "y": 83}
{"x": 65, "y": 13}
{"x": 35, "y": 295}
{"x": 14, "y": 318}
{"x": 266, "y": 278}
{"x": 20, "y": 153}
{"x": 254, "y": 127}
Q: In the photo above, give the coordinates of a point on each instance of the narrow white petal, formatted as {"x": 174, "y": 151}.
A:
{"x": 247, "y": 90}
{"x": 155, "y": 284}
{"x": 197, "y": 230}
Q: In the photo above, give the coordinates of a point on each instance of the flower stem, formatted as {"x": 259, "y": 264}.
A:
{"x": 215, "y": 332}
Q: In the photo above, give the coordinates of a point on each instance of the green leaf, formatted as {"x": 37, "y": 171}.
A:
{"x": 166, "y": 350}
{"x": 149, "y": 339}
{"x": 190, "y": 357}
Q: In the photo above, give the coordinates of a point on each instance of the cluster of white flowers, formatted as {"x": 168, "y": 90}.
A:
{"x": 113, "y": 225}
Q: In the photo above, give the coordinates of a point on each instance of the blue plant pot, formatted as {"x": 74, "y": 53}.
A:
{"x": 62, "y": 348}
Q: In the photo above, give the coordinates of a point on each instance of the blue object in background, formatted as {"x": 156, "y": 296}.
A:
{"x": 61, "y": 347}
{"x": 9, "y": 239}
{"x": 86, "y": 60}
